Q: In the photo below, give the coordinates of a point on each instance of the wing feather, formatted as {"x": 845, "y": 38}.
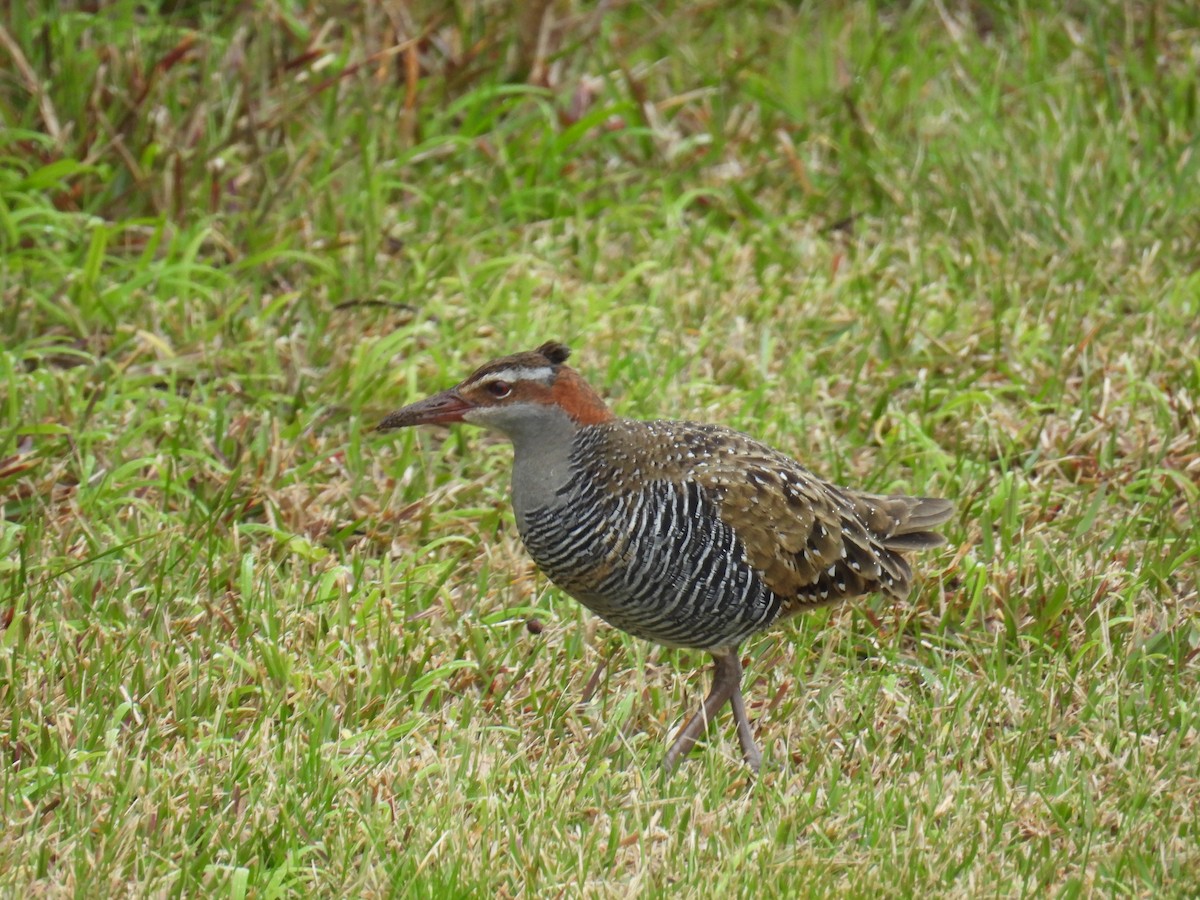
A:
{"x": 812, "y": 542}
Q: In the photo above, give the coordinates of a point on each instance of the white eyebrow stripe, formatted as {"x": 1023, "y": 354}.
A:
{"x": 544, "y": 374}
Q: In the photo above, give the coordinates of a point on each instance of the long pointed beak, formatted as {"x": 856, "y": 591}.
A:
{"x": 447, "y": 406}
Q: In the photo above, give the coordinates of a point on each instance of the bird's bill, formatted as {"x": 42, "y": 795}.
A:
{"x": 447, "y": 406}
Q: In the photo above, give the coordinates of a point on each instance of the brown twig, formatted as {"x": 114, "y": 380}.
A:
{"x": 32, "y": 84}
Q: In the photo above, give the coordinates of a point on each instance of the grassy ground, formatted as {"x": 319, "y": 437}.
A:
{"x": 251, "y": 648}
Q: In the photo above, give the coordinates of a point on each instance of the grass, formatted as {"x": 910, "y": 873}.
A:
{"x": 251, "y": 648}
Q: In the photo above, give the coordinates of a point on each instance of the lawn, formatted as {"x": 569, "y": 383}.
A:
{"x": 251, "y": 648}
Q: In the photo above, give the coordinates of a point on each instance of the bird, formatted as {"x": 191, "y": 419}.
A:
{"x": 681, "y": 533}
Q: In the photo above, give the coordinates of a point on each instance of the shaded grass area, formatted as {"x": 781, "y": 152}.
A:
{"x": 251, "y": 647}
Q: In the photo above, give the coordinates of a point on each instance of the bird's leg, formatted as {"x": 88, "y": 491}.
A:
{"x": 726, "y": 688}
{"x": 745, "y": 735}
{"x": 589, "y": 689}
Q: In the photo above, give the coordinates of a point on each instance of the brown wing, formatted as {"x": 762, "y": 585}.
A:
{"x": 814, "y": 543}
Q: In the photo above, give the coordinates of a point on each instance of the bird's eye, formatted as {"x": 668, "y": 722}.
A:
{"x": 499, "y": 389}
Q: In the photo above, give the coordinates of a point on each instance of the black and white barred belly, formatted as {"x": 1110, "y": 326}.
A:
{"x": 658, "y": 563}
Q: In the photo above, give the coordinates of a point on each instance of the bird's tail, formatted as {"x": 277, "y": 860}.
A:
{"x": 911, "y": 521}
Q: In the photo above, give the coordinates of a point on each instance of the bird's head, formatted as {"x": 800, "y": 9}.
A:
{"x": 515, "y": 394}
